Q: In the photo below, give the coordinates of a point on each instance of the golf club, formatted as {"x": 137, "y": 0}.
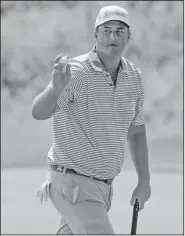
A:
{"x": 134, "y": 217}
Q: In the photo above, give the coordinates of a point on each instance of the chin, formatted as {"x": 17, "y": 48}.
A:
{"x": 114, "y": 52}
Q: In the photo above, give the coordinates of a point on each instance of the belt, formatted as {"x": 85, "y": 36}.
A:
{"x": 61, "y": 169}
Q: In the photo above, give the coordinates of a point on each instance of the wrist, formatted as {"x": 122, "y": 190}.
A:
{"x": 144, "y": 178}
{"x": 56, "y": 90}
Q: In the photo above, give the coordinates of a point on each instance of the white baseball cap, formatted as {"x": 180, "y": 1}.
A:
{"x": 112, "y": 13}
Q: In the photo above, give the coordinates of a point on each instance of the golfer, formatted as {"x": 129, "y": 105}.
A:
{"x": 96, "y": 103}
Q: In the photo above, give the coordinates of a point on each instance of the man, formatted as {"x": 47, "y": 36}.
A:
{"x": 96, "y": 101}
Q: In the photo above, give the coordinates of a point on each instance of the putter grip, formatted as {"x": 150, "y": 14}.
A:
{"x": 134, "y": 218}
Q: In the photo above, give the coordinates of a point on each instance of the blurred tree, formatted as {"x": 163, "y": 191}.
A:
{"x": 132, "y": 4}
{"x": 7, "y": 6}
{"x": 69, "y": 4}
{"x": 89, "y": 19}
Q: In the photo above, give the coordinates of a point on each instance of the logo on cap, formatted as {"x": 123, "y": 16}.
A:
{"x": 118, "y": 13}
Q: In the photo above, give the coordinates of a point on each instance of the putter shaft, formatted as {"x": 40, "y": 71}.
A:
{"x": 134, "y": 218}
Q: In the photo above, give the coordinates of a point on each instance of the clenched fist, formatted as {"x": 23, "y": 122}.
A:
{"x": 142, "y": 192}
{"x": 61, "y": 72}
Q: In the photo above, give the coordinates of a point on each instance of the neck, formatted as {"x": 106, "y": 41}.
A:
{"x": 110, "y": 63}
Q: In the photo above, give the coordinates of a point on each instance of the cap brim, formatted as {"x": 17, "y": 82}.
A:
{"x": 110, "y": 19}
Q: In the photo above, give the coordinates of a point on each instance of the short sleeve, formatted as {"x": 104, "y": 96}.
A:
{"x": 72, "y": 90}
{"x": 139, "y": 109}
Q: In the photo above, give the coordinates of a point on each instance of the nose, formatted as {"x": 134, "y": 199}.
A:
{"x": 113, "y": 36}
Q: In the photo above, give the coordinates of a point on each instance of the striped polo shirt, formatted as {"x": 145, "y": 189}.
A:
{"x": 90, "y": 129}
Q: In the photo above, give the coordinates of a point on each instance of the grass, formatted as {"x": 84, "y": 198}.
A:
{"x": 22, "y": 212}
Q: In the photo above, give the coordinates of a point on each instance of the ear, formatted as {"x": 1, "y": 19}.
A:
{"x": 129, "y": 35}
{"x": 95, "y": 34}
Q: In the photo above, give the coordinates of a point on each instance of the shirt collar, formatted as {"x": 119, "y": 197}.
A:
{"x": 96, "y": 63}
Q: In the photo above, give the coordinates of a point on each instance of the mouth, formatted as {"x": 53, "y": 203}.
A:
{"x": 112, "y": 45}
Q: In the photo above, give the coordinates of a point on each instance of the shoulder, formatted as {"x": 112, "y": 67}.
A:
{"x": 132, "y": 67}
{"x": 81, "y": 58}
{"x": 79, "y": 63}
{"x": 134, "y": 74}
{"x": 78, "y": 70}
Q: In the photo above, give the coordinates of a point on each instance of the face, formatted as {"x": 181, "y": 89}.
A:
{"x": 111, "y": 38}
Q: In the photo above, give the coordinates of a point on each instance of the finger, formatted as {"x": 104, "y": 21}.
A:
{"x": 41, "y": 197}
{"x": 57, "y": 59}
{"x": 57, "y": 72}
{"x": 45, "y": 196}
{"x": 141, "y": 204}
{"x": 59, "y": 66}
{"x": 64, "y": 59}
{"x": 149, "y": 194}
{"x": 45, "y": 192}
{"x": 133, "y": 200}
{"x": 48, "y": 189}
{"x": 147, "y": 198}
{"x": 62, "y": 70}
{"x": 39, "y": 193}
{"x": 68, "y": 70}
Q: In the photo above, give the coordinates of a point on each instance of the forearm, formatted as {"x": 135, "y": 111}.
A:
{"x": 44, "y": 103}
{"x": 139, "y": 151}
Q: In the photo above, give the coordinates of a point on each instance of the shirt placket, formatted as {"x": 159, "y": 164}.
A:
{"x": 115, "y": 112}
{"x": 109, "y": 80}
{"x": 117, "y": 118}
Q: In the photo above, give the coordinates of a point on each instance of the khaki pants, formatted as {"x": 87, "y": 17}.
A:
{"x": 82, "y": 202}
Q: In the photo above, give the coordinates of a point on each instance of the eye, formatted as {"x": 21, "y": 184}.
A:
{"x": 121, "y": 31}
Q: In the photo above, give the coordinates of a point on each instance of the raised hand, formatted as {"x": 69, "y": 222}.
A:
{"x": 61, "y": 72}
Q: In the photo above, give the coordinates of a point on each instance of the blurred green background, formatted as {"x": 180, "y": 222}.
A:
{"x": 33, "y": 33}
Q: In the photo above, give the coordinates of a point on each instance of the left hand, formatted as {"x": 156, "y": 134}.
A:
{"x": 44, "y": 191}
{"x": 142, "y": 192}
